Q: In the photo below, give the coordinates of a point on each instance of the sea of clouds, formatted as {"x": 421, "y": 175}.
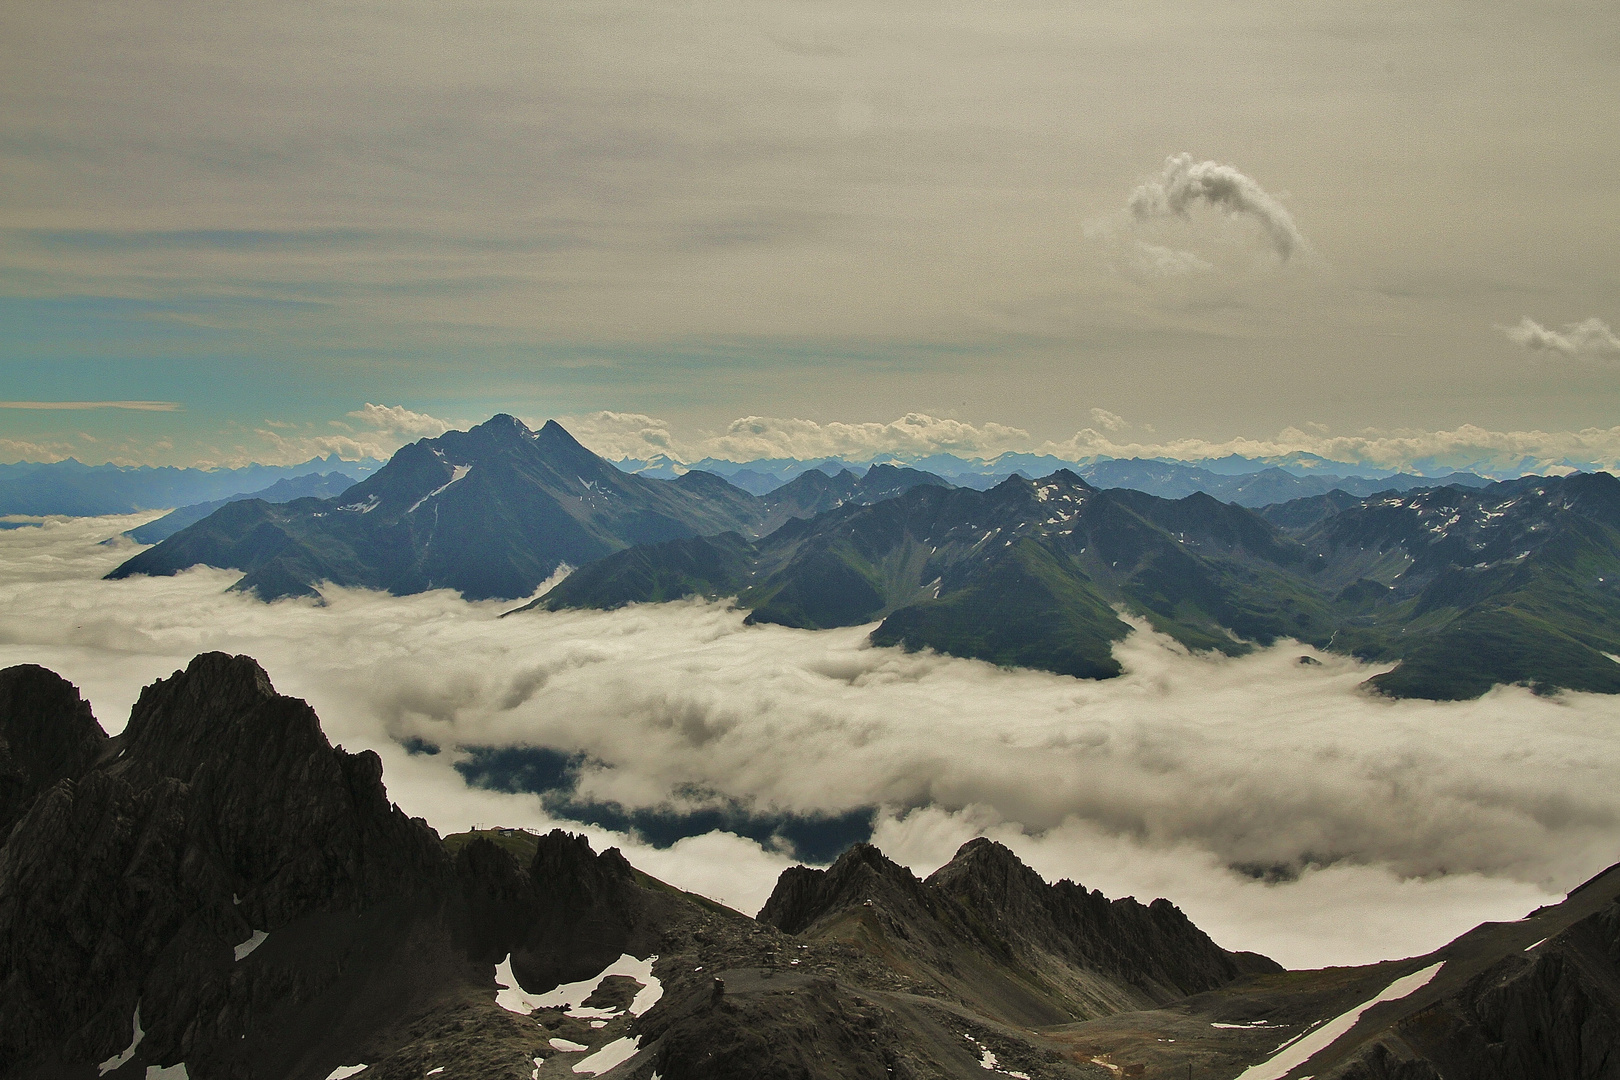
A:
{"x": 1283, "y": 808}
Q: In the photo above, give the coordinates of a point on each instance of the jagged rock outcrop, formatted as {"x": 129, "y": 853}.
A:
{"x": 587, "y": 913}
{"x": 1153, "y": 946}
{"x": 220, "y": 812}
{"x": 989, "y": 927}
{"x": 47, "y": 734}
{"x": 1552, "y": 1010}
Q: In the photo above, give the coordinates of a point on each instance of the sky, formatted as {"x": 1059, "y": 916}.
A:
{"x": 1283, "y": 808}
{"x": 1360, "y": 228}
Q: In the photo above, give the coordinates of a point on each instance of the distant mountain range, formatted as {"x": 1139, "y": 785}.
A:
{"x": 1245, "y": 481}
{"x": 1463, "y": 587}
{"x": 1516, "y": 582}
{"x": 218, "y": 892}
{"x": 308, "y": 486}
{"x": 490, "y": 512}
{"x": 78, "y": 490}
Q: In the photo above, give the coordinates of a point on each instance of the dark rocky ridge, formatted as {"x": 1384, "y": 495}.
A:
{"x": 1116, "y": 953}
{"x": 146, "y": 863}
{"x": 47, "y": 734}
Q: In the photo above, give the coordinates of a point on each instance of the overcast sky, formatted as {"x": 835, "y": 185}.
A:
{"x": 1209, "y": 221}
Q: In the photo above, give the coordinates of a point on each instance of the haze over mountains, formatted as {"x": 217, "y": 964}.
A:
{"x": 1246, "y": 481}
{"x": 219, "y": 892}
{"x": 1465, "y": 587}
{"x": 71, "y": 488}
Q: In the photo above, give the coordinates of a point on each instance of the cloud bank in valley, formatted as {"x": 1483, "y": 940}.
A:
{"x": 1591, "y": 337}
{"x": 1282, "y": 807}
{"x": 1185, "y": 182}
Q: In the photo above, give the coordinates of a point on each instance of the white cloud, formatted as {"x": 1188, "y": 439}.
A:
{"x": 1496, "y": 453}
{"x": 619, "y": 435}
{"x": 28, "y": 450}
{"x": 1468, "y": 447}
{"x": 1108, "y": 421}
{"x": 398, "y": 420}
{"x": 1160, "y": 261}
{"x": 1593, "y": 337}
{"x": 1184, "y": 182}
{"x": 1432, "y": 813}
{"x": 384, "y": 429}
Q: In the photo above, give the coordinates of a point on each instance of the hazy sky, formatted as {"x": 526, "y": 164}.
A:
{"x": 1207, "y": 220}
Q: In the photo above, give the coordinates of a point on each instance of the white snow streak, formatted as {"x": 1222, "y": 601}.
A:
{"x": 458, "y": 471}
{"x": 614, "y": 1053}
{"x": 118, "y": 1060}
{"x": 1297, "y": 1053}
{"x": 251, "y": 943}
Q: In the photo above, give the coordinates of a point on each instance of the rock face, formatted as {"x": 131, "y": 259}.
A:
{"x": 1550, "y": 1010}
{"x": 220, "y": 811}
{"x": 47, "y": 734}
{"x": 987, "y": 908}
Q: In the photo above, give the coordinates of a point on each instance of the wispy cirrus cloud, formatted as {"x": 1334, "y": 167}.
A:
{"x": 137, "y": 406}
{"x": 1590, "y": 337}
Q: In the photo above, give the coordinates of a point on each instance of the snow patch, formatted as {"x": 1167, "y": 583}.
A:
{"x": 567, "y": 1046}
{"x": 117, "y": 1061}
{"x": 1296, "y": 1053}
{"x": 569, "y": 995}
{"x": 435, "y": 1072}
{"x": 508, "y": 994}
{"x": 250, "y": 944}
{"x": 345, "y": 1070}
{"x": 366, "y": 507}
{"x": 171, "y": 1072}
{"x": 613, "y": 1054}
{"x": 1543, "y": 941}
{"x": 456, "y": 473}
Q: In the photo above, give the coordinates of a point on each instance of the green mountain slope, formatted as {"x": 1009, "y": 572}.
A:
{"x": 1462, "y": 588}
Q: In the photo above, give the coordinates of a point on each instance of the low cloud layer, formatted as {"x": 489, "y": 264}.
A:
{"x": 1281, "y": 806}
{"x": 1185, "y": 182}
{"x": 750, "y": 438}
{"x": 1593, "y": 337}
{"x": 1494, "y": 453}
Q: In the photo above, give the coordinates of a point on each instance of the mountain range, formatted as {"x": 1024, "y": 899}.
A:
{"x": 218, "y": 892}
{"x": 307, "y": 486}
{"x": 490, "y": 512}
{"x": 1462, "y": 588}
{"x": 1459, "y": 587}
{"x": 1245, "y": 481}
{"x": 78, "y": 490}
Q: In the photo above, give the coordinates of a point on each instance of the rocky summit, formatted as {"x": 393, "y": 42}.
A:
{"x": 218, "y": 892}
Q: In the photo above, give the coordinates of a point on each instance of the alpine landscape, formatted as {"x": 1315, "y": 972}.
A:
{"x": 809, "y": 542}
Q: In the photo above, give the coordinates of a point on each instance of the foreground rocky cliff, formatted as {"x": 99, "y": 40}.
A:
{"x": 219, "y": 892}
